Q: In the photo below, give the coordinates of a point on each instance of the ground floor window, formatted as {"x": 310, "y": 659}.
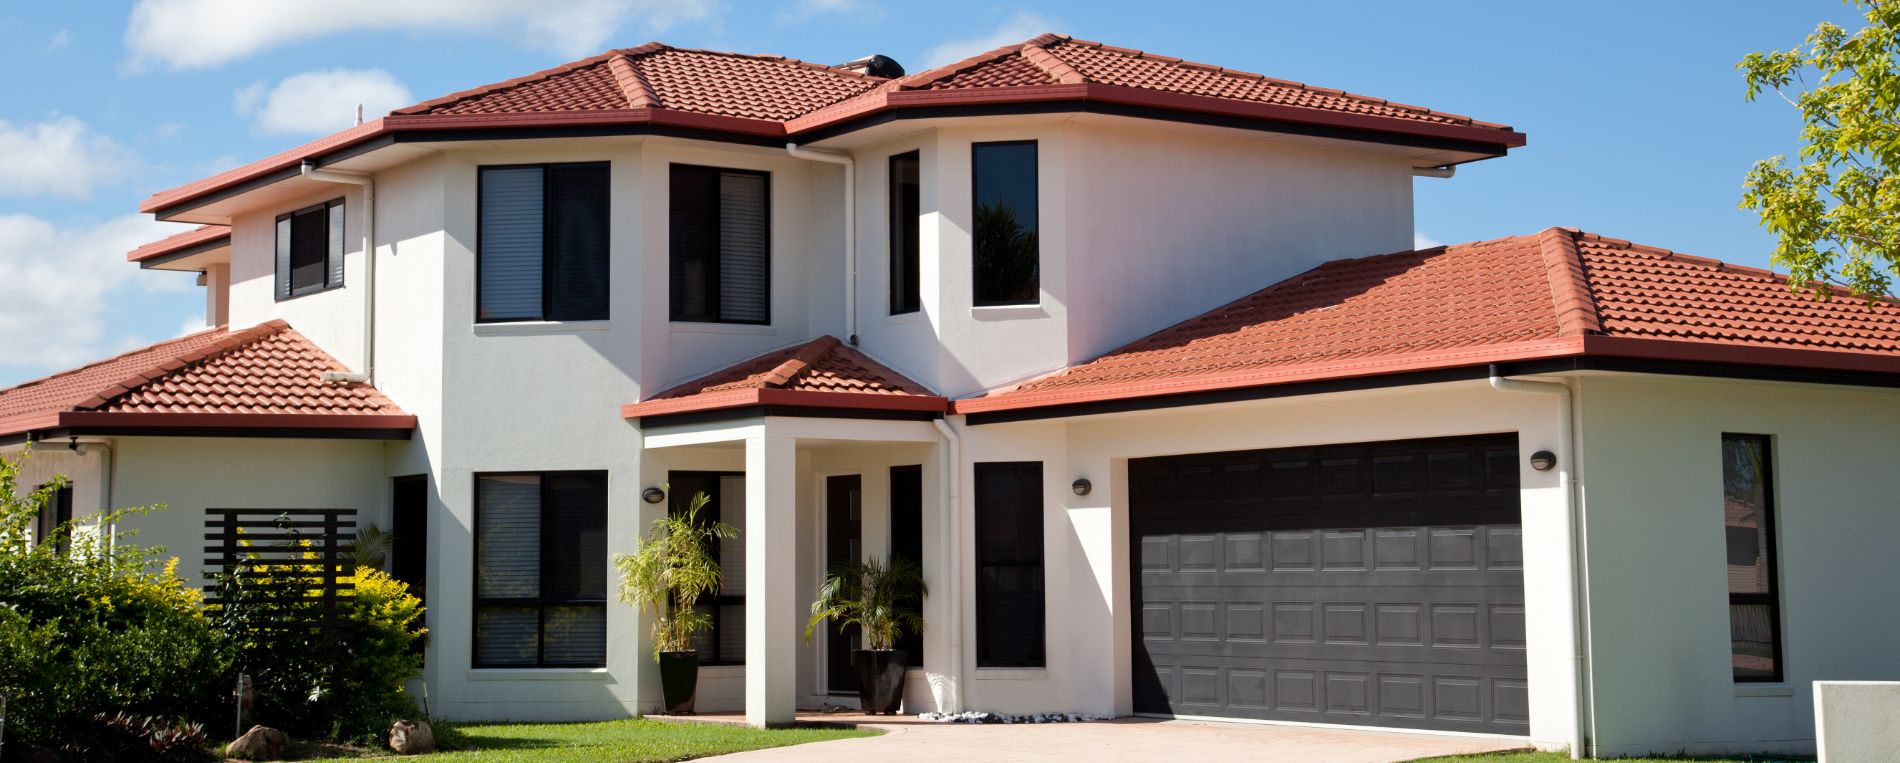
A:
{"x": 724, "y": 642}
{"x": 1754, "y": 608}
{"x": 907, "y": 542}
{"x": 57, "y": 511}
{"x": 541, "y": 570}
{"x": 1010, "y": 629}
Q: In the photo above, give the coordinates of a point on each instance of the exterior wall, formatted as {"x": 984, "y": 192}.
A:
{"x": 82, "y": 472}
{"x": 1659, "y": 619}
{"x": 1858, "y": 720}
{"x": 333, "y": 319}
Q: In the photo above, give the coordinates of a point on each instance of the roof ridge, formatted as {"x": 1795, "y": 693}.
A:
{"x": 778, "y": 59}
{"x": 800, "y": 361}
{"x": 102, "y": 361}
{"x": 165, "y": 366}
{"x": 639, "y": 94}
{"x": 1570, "y": 294}
{"x": 932, "y": 76}
{"x": 1052, "y": 65}
{"x": 510, "y": 84}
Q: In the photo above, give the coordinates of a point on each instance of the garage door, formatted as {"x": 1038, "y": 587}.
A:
{"x": 1374, "y": 584}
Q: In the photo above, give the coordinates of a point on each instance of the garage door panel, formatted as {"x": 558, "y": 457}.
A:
{"x": 1376, "y": 584}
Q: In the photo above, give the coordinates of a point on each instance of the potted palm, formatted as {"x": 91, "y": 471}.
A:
{"x": 666, "y": 574}
{"x": 875, "y": 598}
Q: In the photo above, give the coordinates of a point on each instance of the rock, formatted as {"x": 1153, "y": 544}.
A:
{"x": 979, "y": 716}
{"x": 260, "y": 743}
{"x": 412, "y": 738}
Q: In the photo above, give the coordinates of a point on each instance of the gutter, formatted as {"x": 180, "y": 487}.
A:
{"x": 368, "y": 373}
{"x": 850, "y": 231}
{"x": 1573, "y": 563}
{"x": 953, "y": 546}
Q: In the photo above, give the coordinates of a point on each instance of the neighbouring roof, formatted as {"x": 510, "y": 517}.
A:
{"x": 821, "y": 373}
{"x": 195, "y": 240}
{"x": 773, "y": 99}
{"x": 1558, "y": 293}
{"x": 265, "y": 377}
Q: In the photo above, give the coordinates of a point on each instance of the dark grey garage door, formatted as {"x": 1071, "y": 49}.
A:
{"x": 1375, "y": 584}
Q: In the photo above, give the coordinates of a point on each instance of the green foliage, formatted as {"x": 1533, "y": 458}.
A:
{"x": 1837, "y": 215}
{"x": 872, "y": 597}
{"x": 371, "y": 547}
{"x": 1011, "y": 262}
{"x": 670, "y": 569}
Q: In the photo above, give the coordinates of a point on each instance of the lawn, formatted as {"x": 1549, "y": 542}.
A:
{"x": 629, "y": 741}
{"x": 1564, "y": 757}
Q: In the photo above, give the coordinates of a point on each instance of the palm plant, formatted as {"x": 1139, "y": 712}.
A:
{"x": 873, "y": 597}
{"x": 670, "y": 569}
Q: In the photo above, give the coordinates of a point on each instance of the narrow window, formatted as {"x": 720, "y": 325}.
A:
{"x": 724, "y": 642}
{"x": 1007, "y": 256}
{"x": 542, "y": 243}
{"x": 907, "y": 542}
{"x": 409, "y": 529}
{"x": 57, "y": 511}
{"x": 310, "y": 250}
{"x": 1009, "y": 596}
{"x": 541, "y": 570}
{"x": 1754, "y": 612}
{"x": 720, "y": 252}
{"x": 906, "y": 208}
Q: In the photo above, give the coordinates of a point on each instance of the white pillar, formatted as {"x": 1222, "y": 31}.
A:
{"x": 771, "y": 604}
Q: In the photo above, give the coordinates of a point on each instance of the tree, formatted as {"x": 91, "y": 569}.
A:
{"x": 1837, "y": 215}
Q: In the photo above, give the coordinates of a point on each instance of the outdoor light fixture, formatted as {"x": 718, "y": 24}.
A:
{"x": 1543, "y": 460}
{"x": 1081, "y": 486}
{"x": 653, "y": 495}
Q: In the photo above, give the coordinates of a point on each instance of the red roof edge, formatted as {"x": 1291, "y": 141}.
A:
{"x": 123, "y": 420}
{"x": 178, "y": 242}
{"x": 741, "y": 398}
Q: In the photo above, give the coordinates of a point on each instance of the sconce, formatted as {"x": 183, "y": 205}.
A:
{"x": 1081, "y": 486}
{"x": 653, "y": 495}
{"x": 1543, "y": 460}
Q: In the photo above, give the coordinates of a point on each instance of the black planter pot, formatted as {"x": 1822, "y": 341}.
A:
{"x": 880, "y": 679}
{"x": 679, "y": 681}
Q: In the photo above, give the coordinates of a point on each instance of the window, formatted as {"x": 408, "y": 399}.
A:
{"x": 907, "y": 542}
{"x": 541, "y": 249}
{"x": 724, "y": 642}
{"x": 1006, "y": 256}
{"x": 541, "y": 570}
{"x": 1009, "y": 604}
{"x": 1754, "y": 614}
{"x": 721, "y": 258}
{"x": 57, "y": 511}
{"x": 310, "y": 250}
{"x": 906, "y": 205}
{"x": 409, "y": 531}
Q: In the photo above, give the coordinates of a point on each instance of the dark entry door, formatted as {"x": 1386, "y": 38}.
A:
{"x": 844, "y": 540}
{"x": 1371, "y": 584}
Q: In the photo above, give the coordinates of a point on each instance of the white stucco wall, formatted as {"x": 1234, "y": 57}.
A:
{"x": 1659, "y": 605}
{"x": 1857, "y": 720}
{"x": 333, "y": 318}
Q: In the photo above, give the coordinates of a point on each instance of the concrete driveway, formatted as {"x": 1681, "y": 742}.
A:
{"x": 908, "y": 740}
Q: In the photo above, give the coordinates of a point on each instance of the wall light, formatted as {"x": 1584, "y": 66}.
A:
{"x": 1081, "y": 486}
{"x": 653, "y": 495}
{"x": 1543, "y": 460}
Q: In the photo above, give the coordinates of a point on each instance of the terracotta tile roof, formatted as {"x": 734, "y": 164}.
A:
{"x": 1557, "y": 293}
{"x": 178, "y": 242}
{"x": 822, "y": 373}
{"x": 266, "y": 376}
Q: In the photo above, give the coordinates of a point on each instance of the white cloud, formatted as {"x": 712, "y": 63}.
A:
{"x": 1021, "y": 26}
{"x": 58, "y": 157}
{"x": 192, "y": 34}
{"x": 192, "y": 324}
{"x": 60, "y": 40}
{"x": 803, "y": 10}
{"x": 321, "y": 101}
{"x": 1422, "y": 241}
{"x": 55, "y": 285}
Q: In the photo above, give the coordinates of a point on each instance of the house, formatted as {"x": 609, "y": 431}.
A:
{"x": 1128, "y": 351}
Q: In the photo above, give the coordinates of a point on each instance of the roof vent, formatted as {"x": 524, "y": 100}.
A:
{"x": 876, "y": 66}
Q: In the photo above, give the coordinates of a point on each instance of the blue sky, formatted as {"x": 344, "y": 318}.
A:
{"x": 1635, "y": 114}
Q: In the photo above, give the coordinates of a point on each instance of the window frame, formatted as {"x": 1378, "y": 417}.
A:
{"x": 897, "y": 302}
{"x": 540, "y": 603}
{"x": 290, "y": 290}
{"x": 1041, "y": 659}
{"x": 1035, "y": 174}
{"x": 714, "y": 601}
{"x": 546, "y": 287}
{"x": 713, "y": 283}
{"x": 1771, "y": 571}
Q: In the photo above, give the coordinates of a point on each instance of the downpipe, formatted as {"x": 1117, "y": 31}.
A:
{"x": 1580, "y": 739}
{"x": 850, "y": 231}
{"x": 953, "y": 560}
{"x": 368, "y": 373}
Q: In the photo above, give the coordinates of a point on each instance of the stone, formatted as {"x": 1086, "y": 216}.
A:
{"x": 260, "y": 743}
{"x": 979, "y": 716}
{"x": 412, "y": 738}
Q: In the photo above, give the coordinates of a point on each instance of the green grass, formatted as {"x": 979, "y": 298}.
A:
{"x": 1563, "y": 757}
{"x": 629, "y": 741}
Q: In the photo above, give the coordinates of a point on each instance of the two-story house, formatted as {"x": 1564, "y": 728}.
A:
{"x": 1127, "y": 351}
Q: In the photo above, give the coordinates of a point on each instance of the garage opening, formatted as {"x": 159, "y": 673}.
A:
{"x": 1375, "y": 584}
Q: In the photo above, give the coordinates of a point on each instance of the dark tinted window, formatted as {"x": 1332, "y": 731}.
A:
{"x": 543, "y": 243}
{"x": 310, "y": 249}
{"x": 724, "y": 642}
{"x": 906, "y": 206}
{"x": 1748, "y": 533}
{"x": 907, "y": 541}
{"x": 1007, "y": 255}
{"x": 541, "y": 570}
{"x": 1009, "y": 573}
{"x": 720, "y": 254}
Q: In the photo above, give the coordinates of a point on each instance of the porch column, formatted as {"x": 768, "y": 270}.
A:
{"x": 771, "y": 599}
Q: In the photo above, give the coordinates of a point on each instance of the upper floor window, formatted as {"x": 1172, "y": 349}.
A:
{"x": 310, "y": 249}
{"x": 721, "y": 258}
{"x": 907, "y": 241}
{"x": 1007, "y": 255}
{"x": 541, "y": 251}
{"x": 1748, "y": 524}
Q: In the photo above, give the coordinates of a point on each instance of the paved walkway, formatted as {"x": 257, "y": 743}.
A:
{"x": 908, "y": 740}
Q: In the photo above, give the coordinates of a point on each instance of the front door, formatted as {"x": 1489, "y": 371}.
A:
{"x": 844, "y": 542}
